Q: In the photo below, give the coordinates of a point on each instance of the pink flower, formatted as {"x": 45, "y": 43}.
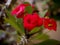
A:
{"x": 19, "y": 10}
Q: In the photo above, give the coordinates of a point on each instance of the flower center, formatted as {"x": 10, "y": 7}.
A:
{"x": 46, "y": 17}
{"x": 29, "y": 21}
{"x": 49, "y": 25}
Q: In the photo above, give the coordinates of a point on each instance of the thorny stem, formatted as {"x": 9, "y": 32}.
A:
{"x": 23, "y": 40}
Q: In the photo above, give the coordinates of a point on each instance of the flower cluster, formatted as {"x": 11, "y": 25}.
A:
{"x": 33, "y": 20}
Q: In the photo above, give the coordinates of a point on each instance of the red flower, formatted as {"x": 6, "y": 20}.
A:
{"x": 31, "y": 21}
{"x": 39, "y": 20}
{"x": 50, "y": 24}
{"x": 19, "y": 10}
{"x": 28, "y": 23}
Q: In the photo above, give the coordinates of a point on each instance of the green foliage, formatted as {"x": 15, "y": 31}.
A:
{"x": 26, "y": 3}
{"x": 13, "y": 2}
{"x": 54, "y": 8}
{"x": 41, "y": 36}
{"x": 13, "y": 22}
{"x": 29, "y": 9}
{"x": 36, "y": 29}
{"x": 49, "y": 42}
{"x": 20, "y": 24}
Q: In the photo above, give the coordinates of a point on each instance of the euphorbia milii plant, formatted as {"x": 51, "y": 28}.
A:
{"x": 31, "y": 21}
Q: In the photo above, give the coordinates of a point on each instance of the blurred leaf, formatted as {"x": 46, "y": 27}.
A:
{"x": 36, "y": 29}
{"x": 13, "y": 2}
{"x": 55, "y": 7}
{"x": 26, "y": 3}
{"x": 41, "y": 36}
{"x": 13, "y": 25}
{"x": 10, "y": 16}
{"x": 12, "y": 21}
{"x": 20, "y": 24}
{"x": 19, "y": 21}
{"x": 49, "y": 42}
{"x": 29, "y": 9}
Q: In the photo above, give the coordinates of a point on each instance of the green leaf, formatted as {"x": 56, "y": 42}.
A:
{"x": 10, "y": 16}
{"x": 29, "y": 9}
{"x": 41, "y": 37}
{"x": 20, "y": 24}
{"x": 26, "y": 3}
{"x": 13, "y": 2}
{"x": 36, "y": 29}
{"x": 49, "y": 42}
{"x": 13, "y": 23}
